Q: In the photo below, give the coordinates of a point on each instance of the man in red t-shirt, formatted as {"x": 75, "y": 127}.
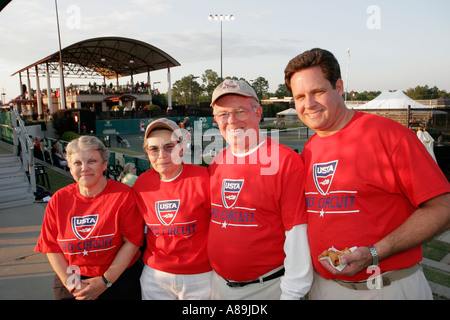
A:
{"x": 370, "y": 186}
{"x": 257, "y": 242}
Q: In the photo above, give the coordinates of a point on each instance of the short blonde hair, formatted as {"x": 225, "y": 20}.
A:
{"x": 86, "y": 143}
{"x": 127, "y": 169}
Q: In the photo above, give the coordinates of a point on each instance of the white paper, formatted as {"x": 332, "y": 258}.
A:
{"x": 341, "y": 266}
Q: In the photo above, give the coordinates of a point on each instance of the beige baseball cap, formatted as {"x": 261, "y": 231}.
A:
{"x": 228, "y": 86}
{"x": 166, "y": 124}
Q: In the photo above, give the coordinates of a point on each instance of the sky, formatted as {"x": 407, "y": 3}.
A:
{"x": 393, "y": 44}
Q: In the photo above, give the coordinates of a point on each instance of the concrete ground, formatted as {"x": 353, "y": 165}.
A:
{"x": 24, "y": 274}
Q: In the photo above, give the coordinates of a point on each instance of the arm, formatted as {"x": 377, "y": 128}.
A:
{"x": 431, "y": 219}
{"x": 60, "y": 265}
{"x": 298, "y": 276}
{"x": 96, "y": 286}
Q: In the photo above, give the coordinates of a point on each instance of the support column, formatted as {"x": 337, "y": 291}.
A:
{"x": 38, "y": 92}
{"x": 21, "y": 84}
{"x": 149, "y": 87}
{"x": 62, "y": 89}
{"x": 29, "y": 93}
{"x": 49, "y": 91}
{"x": 29, "y": 105}
{"x": 169, "y": 90}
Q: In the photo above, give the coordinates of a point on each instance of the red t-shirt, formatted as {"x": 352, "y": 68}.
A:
{"x": 177, "y": 215}
{"x": 254, "y": 200}
{"x": 89, "y": 231}
{"x": 363, "y": 182}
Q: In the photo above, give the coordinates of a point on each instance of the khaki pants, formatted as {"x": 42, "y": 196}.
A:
{"x": 413, "y": 287}
{"x": 160, "y": 285}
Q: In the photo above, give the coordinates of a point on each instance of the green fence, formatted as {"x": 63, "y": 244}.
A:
{"x": 6, "y": 131}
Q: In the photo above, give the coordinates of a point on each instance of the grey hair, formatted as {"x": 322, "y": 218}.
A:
{"x": 86, "y": 143}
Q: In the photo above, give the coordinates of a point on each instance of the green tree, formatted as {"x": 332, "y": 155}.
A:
{"x": 261, "y": 86}
{"x": 187, "y": 90}
{"x": 210, "y": 81}
{"x": 425, "y": 93}
{"x": 282, "y": 91}
{"x": 62, "y": 121}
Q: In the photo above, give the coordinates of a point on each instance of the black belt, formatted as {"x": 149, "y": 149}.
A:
{"x": 275, "y": 275}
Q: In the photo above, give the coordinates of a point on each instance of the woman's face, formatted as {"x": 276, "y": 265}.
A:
{"x": 164, "y": 153}
{"x": 87, "y": 168}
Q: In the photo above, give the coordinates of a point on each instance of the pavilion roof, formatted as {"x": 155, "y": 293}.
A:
{"x": 109, "y": 57}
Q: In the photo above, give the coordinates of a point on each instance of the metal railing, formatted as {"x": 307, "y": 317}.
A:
{"x": 23, "y": 146}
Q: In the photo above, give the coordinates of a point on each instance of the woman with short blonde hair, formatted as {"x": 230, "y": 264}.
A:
{"x": 92, "y": 228}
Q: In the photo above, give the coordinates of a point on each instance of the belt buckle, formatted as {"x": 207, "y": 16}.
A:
{"x": 233, "y": 284}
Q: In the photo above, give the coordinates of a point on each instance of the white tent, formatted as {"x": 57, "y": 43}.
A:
{"x": 287, "y": 117}
{"x": 288, "y": 112}
{"x": 391, "y": 100}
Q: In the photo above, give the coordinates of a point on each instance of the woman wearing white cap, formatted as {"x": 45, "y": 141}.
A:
{"x": 173, "y": 198}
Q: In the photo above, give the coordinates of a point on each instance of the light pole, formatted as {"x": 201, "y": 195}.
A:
{"x": 61, "y": 70}
{"x": 346, "y": 77}
{"x": 221, "y": 18}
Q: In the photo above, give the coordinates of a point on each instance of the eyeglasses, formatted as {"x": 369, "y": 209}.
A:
{"x": 239, "y": 114}
{"x": 153, "y": 151}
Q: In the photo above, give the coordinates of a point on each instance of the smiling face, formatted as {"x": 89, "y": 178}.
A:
{"x": 164, "y": 153}
{"x": 318, "y": 104}
{"x": 87, "y": 169}
{"x": 240, "y": 123}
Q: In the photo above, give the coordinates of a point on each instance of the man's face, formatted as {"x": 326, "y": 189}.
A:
{"x": 318, "y": 105}
{"x": 238, "y": 119}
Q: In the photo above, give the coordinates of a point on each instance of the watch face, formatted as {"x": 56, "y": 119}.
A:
{"x": 108, "y": 284}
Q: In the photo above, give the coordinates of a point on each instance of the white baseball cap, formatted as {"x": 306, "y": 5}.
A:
{"x": 166, "y": 124}
{"x": 229, "y": 86}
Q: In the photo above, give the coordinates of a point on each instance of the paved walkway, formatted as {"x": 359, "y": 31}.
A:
{"x": 24, "y": 274}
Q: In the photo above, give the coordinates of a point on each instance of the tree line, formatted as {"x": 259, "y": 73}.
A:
{"x": 189, "y": 91}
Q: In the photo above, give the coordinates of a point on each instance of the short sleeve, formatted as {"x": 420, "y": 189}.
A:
{"x": 419, "y": 176}
{"x": 131, "y": 221}
{"x": 292, "y": 201}
{"x": 47, "y": 241}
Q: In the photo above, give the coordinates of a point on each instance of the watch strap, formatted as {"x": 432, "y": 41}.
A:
{"x": 374, "y": 254}
{"x": 107, "y": 283}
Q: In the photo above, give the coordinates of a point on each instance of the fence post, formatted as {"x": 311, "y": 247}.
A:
{"x": 408, "y": 116}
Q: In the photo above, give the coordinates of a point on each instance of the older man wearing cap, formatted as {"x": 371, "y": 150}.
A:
{"x": 174, "y": 200}
{"x": 257, "y": 242}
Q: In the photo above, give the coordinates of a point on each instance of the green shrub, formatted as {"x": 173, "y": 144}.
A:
{"x": 62, "y": 121}
{"x": 69, "y": 136}
{"x": 152, "y": 107}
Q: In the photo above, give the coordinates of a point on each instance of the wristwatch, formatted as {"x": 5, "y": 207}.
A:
{"x": 374, "y": 254}
{"x": 107, "y": 283}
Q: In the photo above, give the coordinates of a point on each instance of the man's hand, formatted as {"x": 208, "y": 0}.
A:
{"x": 356, "y": 261}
